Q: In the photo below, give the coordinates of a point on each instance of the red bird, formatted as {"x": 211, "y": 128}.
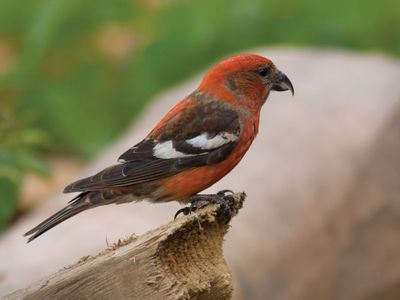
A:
{"x": 197, "y": 143}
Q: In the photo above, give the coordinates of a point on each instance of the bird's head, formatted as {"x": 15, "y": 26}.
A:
{"x": 247, "y": 78}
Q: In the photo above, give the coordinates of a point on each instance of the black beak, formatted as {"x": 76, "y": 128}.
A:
{"x": 282, "y": 83}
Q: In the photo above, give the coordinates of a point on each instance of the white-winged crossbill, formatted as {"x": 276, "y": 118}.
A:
{"x": 197, "y": 143}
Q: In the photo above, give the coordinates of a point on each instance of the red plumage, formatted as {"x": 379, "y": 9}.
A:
{"x": 197, "y": 143}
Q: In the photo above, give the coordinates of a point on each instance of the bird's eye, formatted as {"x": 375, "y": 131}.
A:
{"x": 263, "y": 71}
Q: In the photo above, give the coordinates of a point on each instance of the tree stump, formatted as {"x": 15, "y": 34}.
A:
{"x": 180, "y": 260}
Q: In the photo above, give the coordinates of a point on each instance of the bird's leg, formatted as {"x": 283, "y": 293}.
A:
{"x": 201, "y": 200}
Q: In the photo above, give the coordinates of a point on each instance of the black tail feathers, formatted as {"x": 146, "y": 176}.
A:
{"x": 77, "y": 205}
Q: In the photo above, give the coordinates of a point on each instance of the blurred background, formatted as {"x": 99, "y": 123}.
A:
{"x": 74, "y": 74}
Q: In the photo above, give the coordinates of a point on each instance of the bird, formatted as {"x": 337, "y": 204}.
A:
{"x": 200, "y": 140}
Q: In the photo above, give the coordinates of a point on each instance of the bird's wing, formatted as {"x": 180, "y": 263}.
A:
{"x": 200, "y": 134}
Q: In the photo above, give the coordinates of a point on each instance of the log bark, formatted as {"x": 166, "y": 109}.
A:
{"x": 180, "y": 260}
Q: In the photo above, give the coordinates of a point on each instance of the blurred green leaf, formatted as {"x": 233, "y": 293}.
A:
{"x": 19, "y": 148}
{"x": 31, "y": 162}
{"x": 34, "y": 138}
{"x": 9, "y": 197}
{"x": 9, "y": 169}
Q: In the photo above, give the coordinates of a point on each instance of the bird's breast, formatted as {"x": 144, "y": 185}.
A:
{"x": 193, "y": 181}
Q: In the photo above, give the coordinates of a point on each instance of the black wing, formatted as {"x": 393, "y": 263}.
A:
{"x": 190, "y": 140}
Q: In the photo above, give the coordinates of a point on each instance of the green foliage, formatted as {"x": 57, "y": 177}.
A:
{"x": 69, "y": 72}
{"x": 20, "y": 144}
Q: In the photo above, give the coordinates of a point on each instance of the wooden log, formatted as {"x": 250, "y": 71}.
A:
{"x": 180, "y": 260}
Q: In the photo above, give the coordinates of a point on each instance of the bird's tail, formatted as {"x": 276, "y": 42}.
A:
{"x": 77, "y": 205}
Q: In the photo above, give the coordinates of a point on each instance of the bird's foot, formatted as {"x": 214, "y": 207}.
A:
{"x": 200, "y": 200}
{"x": 223, "y": 192}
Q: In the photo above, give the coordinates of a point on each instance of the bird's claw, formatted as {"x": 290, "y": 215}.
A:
{"x": 194, "y": 205}
{"x": 223, "y": 192}
{"x": 199, "y": 201}
{"x": 185, "y": 211}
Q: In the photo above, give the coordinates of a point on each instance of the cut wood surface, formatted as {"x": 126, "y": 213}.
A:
{"x": 180, "y": 260}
